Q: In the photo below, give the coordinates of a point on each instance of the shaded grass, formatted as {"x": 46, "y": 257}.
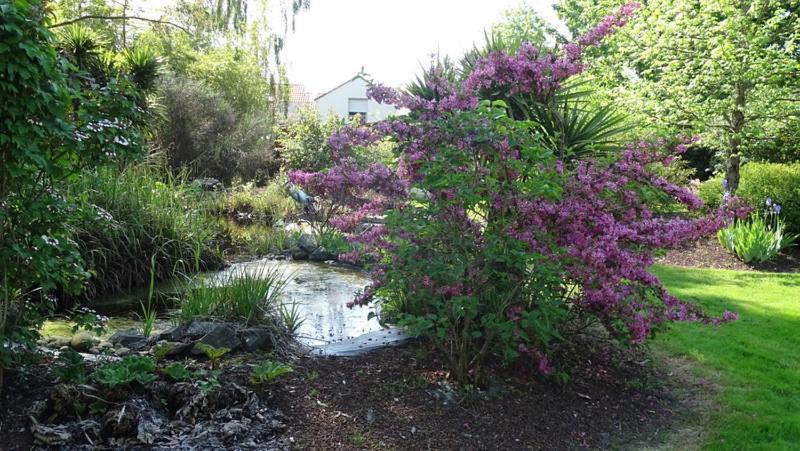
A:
{"x": 258, "y": 239}
{"x": 138, "y": 219}
{"x": 756, "y": 359}
{"x": 269, "y": 204}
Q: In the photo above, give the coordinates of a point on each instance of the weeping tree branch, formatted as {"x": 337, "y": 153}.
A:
{"x": 94, "y": 16}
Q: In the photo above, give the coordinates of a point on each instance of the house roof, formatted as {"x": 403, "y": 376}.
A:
{"x": 361, "y": 76}
{"x": 298, "y": 95}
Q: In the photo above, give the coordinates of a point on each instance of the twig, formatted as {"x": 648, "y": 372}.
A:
{"x": 95, "y": 16}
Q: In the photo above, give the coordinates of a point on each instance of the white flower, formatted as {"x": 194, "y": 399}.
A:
{"x": 121, "y": 140}
{"x": 51, "y": 241}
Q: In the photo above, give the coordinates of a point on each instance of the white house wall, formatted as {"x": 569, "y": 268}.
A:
{"x": 337, "y": 102}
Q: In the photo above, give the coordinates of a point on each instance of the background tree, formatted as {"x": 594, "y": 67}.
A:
{"x": 727, "y": 70}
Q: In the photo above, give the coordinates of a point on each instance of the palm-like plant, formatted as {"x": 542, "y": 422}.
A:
{"x": 81, "y": 45}
{"x": 572, "y": 124}
{"x": 143, "y": 65}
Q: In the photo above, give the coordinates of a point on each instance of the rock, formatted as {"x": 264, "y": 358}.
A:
{"x": 122, "y": 351}
{"x": 58, "y": 342}
{"x": 190, "y": 331}
{"x": 130, "y": 338}
{"x": 94, "y": 350}
{"x": 299, "y": 254}
{"x": 209, "y": 184}
{"x": 256, "y": 339}
{"x": 105, "y": 345}
{"x": 321, "y": 255}
{"x": 173, "y": 348}
{"x": 82, "y": 341}
{"x": 307, "y": 243}
{"x": 222, "y": 336}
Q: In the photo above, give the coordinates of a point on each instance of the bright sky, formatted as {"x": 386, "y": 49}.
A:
{"x": 390, "y": 38}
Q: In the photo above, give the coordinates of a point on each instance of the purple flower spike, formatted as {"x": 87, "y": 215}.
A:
{"x": 776, "y": 208}
{"x": 725, "y": 184}
{"x": 768, "y": 202}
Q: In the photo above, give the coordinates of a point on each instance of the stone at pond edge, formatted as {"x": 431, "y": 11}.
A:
{"x": 321, "y": 255}
{"x": 122, "y": 352}
{"x": 130, "y": 338}
{"x": 222, "y": 336}
{"x": 82, "y": 341}
{"x": 307, "y": 243}
{"x": 192, "y": 330}
{"x": 256, "y": 339}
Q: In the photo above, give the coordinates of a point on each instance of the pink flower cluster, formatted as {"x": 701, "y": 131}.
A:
{"x": 607, "y": 231}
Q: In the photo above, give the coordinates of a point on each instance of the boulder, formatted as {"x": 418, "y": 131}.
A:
{"x": 222, "y": 336}
{"x": 58, "y": 341}
{"x": 130, "y": 338}
{"x": 307, "y": 243}
{"x": 256, "y": 339}
{"x": 209, "y": 184}
{"x": 82, "y": 341}
{"x": 320, "y": 254}
{"x": 192, "y": 330}
{"x": 299, "y": 254}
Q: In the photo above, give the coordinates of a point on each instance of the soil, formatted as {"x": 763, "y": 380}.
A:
{"x": 707, "y": 253}
{"x": 394, "y": 398}
{"x": 402, "y": 399}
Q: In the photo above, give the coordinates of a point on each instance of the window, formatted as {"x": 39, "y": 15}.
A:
{"x": 357, "y": 107}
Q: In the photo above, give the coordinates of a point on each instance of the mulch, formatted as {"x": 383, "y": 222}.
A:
{"x": 400, "y": 399}
{"x": 708, "y": 253}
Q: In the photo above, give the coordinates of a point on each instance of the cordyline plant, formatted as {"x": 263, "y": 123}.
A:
{"x": 491, "y": 245}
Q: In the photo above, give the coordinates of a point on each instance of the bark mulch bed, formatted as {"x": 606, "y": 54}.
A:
{"x": 401, "y": 399}
{"x": 708, "y": 253}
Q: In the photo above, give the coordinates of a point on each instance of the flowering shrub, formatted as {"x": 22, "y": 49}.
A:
{"x": 491, "y": 245}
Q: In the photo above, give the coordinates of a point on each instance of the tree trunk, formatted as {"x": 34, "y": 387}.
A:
{"x": 736, "y": 124}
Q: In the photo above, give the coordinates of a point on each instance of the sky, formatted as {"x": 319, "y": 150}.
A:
{"x": 389, "y": 38}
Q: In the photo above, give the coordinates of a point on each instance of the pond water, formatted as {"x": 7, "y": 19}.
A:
{"x": 319, "y": 290}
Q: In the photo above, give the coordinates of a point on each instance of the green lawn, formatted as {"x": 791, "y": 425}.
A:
{"x": 755, "y": 360}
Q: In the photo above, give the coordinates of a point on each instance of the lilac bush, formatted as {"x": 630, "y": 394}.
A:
{"x": 493, "y": 246}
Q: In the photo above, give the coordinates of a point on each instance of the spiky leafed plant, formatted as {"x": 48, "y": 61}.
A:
{"x": 143, "y": 65}
{"x": 573, "y": 125}
{"x": 82, "y": 46}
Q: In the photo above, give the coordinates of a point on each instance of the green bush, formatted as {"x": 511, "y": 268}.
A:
{"x": 759, "y": 182}
{"x": 303, "y": 141}
{"x": 203, "y": 132}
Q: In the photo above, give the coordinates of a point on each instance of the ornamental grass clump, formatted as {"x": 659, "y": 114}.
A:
{"x": 240, "y": 295}
{"x": 758, "y": 238}
{"x": 495, "y": 246}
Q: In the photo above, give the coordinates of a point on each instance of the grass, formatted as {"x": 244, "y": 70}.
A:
{"x": 135, "y": 217}
{"x": 257, "y": 238}
{"x": 756, "y": 360}
{"x": 241, "y": 295}
{"x": 269, "y": 204}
